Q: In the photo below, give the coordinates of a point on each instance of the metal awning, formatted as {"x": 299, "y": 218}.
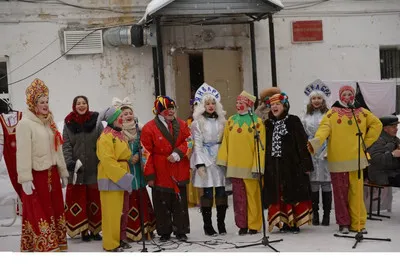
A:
{"x": 209, "y": 12}
{"x": 164, "y": 13}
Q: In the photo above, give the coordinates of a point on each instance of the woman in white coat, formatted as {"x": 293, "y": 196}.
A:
{"x": 40, "y": 164}
{"x": 207, "y": 131}
{"x": 320, "y": 177}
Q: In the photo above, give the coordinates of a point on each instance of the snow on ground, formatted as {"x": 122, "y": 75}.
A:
{"x": 310, "y": 239}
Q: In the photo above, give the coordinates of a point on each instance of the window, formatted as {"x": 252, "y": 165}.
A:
{"x": 4, "y": 96}
{"x": 390, "y": 69}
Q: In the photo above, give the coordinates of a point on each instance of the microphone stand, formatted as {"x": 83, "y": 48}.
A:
{"x": 359, "y": 237}
{"x": 141, "y": 208}
{"x": 265, "y": 242}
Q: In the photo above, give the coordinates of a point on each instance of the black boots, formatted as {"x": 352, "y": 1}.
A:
{"x": 85, "y": 236}
{"x": 243, "y": 231}
{"x": 315, "y": 207}
{"x": 96, "y": 237}
{"x": 206, "y": 207}
{"x": 206, "y": 211}
{"x": 327, "y": 204}
{"x": 222, "y": 205}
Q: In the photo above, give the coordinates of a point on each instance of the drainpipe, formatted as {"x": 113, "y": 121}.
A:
{"x": 160, "y": 56}
{"x": 254, "y": 60}
{"x": 272, "y": 50}
{"x": 155, "y": 72}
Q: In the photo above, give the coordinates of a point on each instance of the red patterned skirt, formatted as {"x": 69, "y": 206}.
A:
{"x": 83, "y": 209}
{"x": 43, "y": 219}
{"x": 292, "y": 215}
{"x": 134, "y": 231}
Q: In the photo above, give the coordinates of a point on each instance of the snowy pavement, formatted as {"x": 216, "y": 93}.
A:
{"x": 310, "y": 239}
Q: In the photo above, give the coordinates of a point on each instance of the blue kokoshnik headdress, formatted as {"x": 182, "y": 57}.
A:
{"x": 204, "y": 90}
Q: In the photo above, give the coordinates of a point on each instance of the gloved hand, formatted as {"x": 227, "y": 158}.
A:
{"x": 135, "y": 159}
{"x": 202, "y": 172}
{"x": 64, "y": 182}
{"x": 28, "y": 187}
{"x": 129, "y": 189}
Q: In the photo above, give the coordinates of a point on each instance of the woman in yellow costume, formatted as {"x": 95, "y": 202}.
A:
{"x": 237, "y": 152}
{"x": 338, "y": 124}
{"x": 114, "y": 178}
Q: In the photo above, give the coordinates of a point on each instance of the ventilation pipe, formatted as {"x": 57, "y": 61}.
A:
{"x": 126, "y": 35}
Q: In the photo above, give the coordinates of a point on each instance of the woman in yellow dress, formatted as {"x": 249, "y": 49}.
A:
{"x": 238, "y": 154}
{"x": 339, "y": 127}
{"x": 114, "y": 179}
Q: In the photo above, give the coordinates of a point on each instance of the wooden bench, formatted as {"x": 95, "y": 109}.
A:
{"x": 372, "y": 188}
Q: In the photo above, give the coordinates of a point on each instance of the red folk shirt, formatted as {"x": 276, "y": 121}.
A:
{"x": 157, "y": 145}
{"x": 10, "y": 151}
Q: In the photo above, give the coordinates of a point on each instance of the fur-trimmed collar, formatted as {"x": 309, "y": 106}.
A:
{"x": 31, "y": 116}
{"x": 86, "y": 127}
{"x": 165, "y": 132}
{"x": 115, "y": 133}
{"x": 339, "y": 105}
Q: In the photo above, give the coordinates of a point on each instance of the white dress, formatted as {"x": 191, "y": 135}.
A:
{"x": 321, "y": 172}
{"x": 207, "y": 134}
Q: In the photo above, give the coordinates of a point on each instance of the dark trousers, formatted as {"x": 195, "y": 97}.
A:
{"x": 219, "y": 192}
{"x": 172, "y": 213}
{"x": 395, "y": 181}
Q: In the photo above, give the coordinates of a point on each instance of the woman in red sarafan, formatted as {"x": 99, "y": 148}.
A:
{"x": 83, "y": 208}
{"x": 40, "y": 164}
{"x": 167, "y": 143}
{"x": 8, "y": 146}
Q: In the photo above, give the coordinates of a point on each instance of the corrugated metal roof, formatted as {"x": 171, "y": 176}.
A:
{"x": 210, "y": 11}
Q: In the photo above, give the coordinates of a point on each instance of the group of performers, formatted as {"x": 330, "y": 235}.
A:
{"x": 105, "y": 169}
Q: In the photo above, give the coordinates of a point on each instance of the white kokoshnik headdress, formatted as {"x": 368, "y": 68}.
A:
{"x": 204, "y": 90}
{"x": 317, "y": 87}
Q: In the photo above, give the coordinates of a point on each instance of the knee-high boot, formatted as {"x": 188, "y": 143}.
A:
{"x": 315, "y": 207}
{"x": 222, "y": 205}
{"x": 327, "y": 205}
{"x": 206, "y": 208}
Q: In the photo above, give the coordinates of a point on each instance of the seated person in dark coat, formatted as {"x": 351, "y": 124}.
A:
{"x": 385, "y": 154}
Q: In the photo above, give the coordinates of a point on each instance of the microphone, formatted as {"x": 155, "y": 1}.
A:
{"x": 256, "y": 132}
{"x": 250, "y": 111}
{"x": 136, "y": 123}
{"x": 351, "y": 106}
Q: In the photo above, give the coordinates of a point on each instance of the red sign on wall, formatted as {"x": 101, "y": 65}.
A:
{"x": 307, "y": 31}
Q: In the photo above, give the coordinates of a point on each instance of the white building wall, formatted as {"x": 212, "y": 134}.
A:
{"x": 117, "y": 72}
{"x": 350, "y": 50}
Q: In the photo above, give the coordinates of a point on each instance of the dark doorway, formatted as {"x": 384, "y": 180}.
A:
{"x": 3, "y": 87}
{"x": 196, "y": 72}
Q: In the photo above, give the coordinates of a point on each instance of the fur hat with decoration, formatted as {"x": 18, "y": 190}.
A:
{"x": 262, "y": 110}
{"x": 268, "y": 92}
{"x": 277, "y": 98}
